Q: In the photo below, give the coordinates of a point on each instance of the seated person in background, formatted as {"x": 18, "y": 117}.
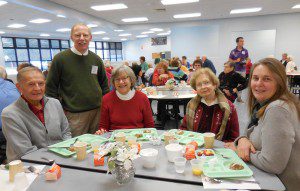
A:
{"x": 290, "y": 66}
{"x": 34, "y": 121}
{"x": 185, "y": 62}
{"x": 197, "y": 64}
{"x": 209, "y": 110}
{"x": 208, "y": 64}
{"x": 149, "y": 72}
{"x": 47, "y": 71}
{"x": 108, "y": 67}
{"x": 161, "y": 75}
{"x": 156, "y": 61}
{"x": 272, "y": 140}
{"x": 177, "y": 72}
{"x": 8, "y": 94}
{"x": 137, "y": 69}
{"x": 124, "y": 107}
{"x": 231, "y": 82}
{"x": 248, "y": 68}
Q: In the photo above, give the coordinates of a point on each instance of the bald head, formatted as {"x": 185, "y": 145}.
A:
{"x": 80, "y": 24}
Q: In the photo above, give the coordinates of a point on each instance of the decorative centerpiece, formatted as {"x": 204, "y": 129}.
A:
{"x": 120, "y": 161}
{"x": 170, "y": 84}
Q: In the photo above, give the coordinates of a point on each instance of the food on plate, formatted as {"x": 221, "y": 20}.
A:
{"x": 72, "y": 149}
{"x": 235, "y": 166}
{"x": 191, "y": 135}
{"x": 205, "y": 152}
{"x": 195, "y": 144}
{"x": 138, "y": 135}
{"x": 179, "y": 132}
{"x": 147, "y": 131}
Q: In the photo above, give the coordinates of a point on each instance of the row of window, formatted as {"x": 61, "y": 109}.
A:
{"x": 41, "y": 51}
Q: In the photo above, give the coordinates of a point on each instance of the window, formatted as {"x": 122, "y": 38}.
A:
{"x": 33, "y": 43}
{"x": 21, "y": 43}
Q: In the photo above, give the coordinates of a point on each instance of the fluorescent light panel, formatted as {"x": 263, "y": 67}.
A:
{"x": 92, "y": 25}
{"x": 163, "y": 34}
{"x": 105, "y": 38}
{"x": 147, "y": 32}
{"x": 123, "y": 39}
{"x": 125, "y": 34}
{"x": 157, "y": 29}
{"x": 188, "y": 15}
{"x": 2, "y": 3}
{"x": 63, "y": 30}
{"x": 173, "y": 2}
{"x": 109, "y": 7}
{"x": 61, "y": 16}
{"x": 118, "y": 30}
{"x": 296, "y": 7}
{"x": 98, "y": 32}
{"x": 2, "y": 32}
{"x": 141, "y": 36}
{"x": 248, "y": 10}
{"x": 137, "y": 19}
{"x": 44, "y": 34}
{"x": 16, "y": 26}
{"x": 39, "y": 21}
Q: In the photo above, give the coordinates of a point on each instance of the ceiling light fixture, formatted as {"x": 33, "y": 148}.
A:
{"x": 157, "y": 29}
{"x": 109, "y": 7}
{"x": 92, "y": 25}
{"x": 44, "y": 34}
{"x": 249, "y": 10}
{"x": 98, "y": 32}
{"x": 16, "y": 26}
{"x": 105, "y": 38}
{"x": 137, "y": 19}
{"x": 123, "y": 39}
{"x": 63, "y": 30}
{"x": 147, "y": 32}
{"x": 163, "y": 34}
{"x": 125, "y": 34}
{"x": 296, "y": 7}
{"x": 61, "y": 16}
{"x": 2, "y": 32}
{"x": 3, "y": 3}
{"x": 118, "y": 30}
{"x": 188, "y": 15}
{"x": 141, "y": 36}
{"x": 40, "y": 21}
{"x": 173, "y": 2}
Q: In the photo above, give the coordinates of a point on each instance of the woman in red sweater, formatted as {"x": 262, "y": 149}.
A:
{"x": 210, "y": 111}
{"x": 124, "y": 108}
{"x": 161, "y": 74}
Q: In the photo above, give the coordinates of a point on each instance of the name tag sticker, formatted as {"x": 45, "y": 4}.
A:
{"x": 94, "y": 70}
{"x": 243, "y": 52}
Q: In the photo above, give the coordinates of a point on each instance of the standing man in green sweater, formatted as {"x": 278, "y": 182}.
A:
{"x": 77, "y": 77}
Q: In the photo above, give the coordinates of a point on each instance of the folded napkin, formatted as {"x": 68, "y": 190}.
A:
{"x": 231, "y": 185}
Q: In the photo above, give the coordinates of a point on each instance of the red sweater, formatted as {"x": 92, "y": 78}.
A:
{"x": 120, "y": 114}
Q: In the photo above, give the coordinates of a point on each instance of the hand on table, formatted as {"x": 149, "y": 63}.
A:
{"x": 100, "y": 132}
{"x": 244, "y": 148}
{"x": 230, "y": 145}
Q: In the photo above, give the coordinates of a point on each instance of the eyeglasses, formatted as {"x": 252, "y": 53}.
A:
{"x": 203, "y": 84}
{"x": 78, "y": 36}
{"x": 118, "y": 80}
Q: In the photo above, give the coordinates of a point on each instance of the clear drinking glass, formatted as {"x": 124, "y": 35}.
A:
{"x": 180, "y": 164}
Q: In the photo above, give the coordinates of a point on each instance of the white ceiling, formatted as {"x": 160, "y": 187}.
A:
{"x": 22, "y": 11}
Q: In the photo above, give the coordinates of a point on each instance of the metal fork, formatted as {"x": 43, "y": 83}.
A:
{"x": 217, "y": 181}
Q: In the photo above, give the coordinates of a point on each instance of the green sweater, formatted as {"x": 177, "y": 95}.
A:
{"x": 71, "y": 80}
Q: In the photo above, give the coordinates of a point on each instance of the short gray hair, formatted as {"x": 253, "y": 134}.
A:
{"x": 22, "y": 72}
{"x": 3, "y": 73}
{"x": 126, "y": 69}
{"x": 80, "y": 24}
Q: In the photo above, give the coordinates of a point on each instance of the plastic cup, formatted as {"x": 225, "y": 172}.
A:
{"x": 120, "y": 137}
{"x": 131, "y": 140}
{"x": 173, "y": 151}
{"x": 15, "y": 167}
{"x": 80, "y": 148}
{"x": 21, "y": 181}
{"x": 209, "y": 139}
{"x": 168, "y": 136}
{"x": 197, "y": 165}
{"x": 149, "y": 157}
{"x": 179, "y": 164}
{"x": 95, "y": 146}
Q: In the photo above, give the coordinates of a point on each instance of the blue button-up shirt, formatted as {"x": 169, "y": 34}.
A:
{"x": 8, "y": 94}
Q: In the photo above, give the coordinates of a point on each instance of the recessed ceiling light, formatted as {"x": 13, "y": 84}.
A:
{"x": 109, "y": 7}
{"x": 61, "y": 16}
{"x": 249, "y": 10}
{"x": 105, "y": 38}
{"x": 2, "y": 3}
{"x": 125, "y": 34}
{"x": 16, "y": 26}
{"x": 2, "y": 32}
{"x": 147, "y": 32}
{"x": 98, "y": 32}
{"x": 39, "y": 21}
{"x": 141, "y": 36}
{"x": 137, "y": 19}
{"x": 92, "y": 25}
{"x": 157, "y": 29}
{"x": 173, "y": 2}
{"x": 188, "y": 15}
{"x": 118, "y": 30}
{"x": 63, "y": 30}
{"x": 44, "y": 34}
{"x": 163, "y": 34}
{"x": 123, "y": 39}
{"x": 296, "y": 6}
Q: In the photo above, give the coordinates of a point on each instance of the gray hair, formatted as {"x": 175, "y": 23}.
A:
{"x": 3, "y": 73}
{"x": 21, "y": 73}
{"x": 80, "y": 24}
{"x": 126, "y": 69}
{"x": 230, "y": 64}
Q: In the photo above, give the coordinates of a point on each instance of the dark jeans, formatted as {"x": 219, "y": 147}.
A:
{"x": 2, "y": 147}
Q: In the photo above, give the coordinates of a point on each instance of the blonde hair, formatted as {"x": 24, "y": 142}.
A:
{"x": 282, "y": 93}
{"x": 205, "y": 71}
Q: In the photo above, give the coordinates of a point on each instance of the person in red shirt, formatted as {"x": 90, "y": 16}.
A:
{"x": 248, "y": 68}
{"x": 161, "y": 75}
{"x": 124, "y": 107}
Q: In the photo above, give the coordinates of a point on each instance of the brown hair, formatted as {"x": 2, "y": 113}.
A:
{"x": 174, "y": 63}
{"x": 282, "y": 92}
{"x": 163, "y": 66}
{"x": 197, "y": 62}
{"x": 205, "y": 71}
{"x": 23, "y": 65}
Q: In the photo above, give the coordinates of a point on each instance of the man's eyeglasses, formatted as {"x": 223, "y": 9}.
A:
{"x": 118, "y": 80}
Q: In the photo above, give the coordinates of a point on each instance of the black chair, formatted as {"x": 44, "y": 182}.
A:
{"x": 2, "y": 148}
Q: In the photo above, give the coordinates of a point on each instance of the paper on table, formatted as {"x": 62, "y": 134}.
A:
{"x": 156, "y": 96}
{"x": 231, "y": 185}
{"x": 186, "y": 96}
{"x": 9, "y": 186}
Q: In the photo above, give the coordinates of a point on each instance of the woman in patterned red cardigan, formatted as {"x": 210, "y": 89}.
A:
{"x": 210, "y": 111}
